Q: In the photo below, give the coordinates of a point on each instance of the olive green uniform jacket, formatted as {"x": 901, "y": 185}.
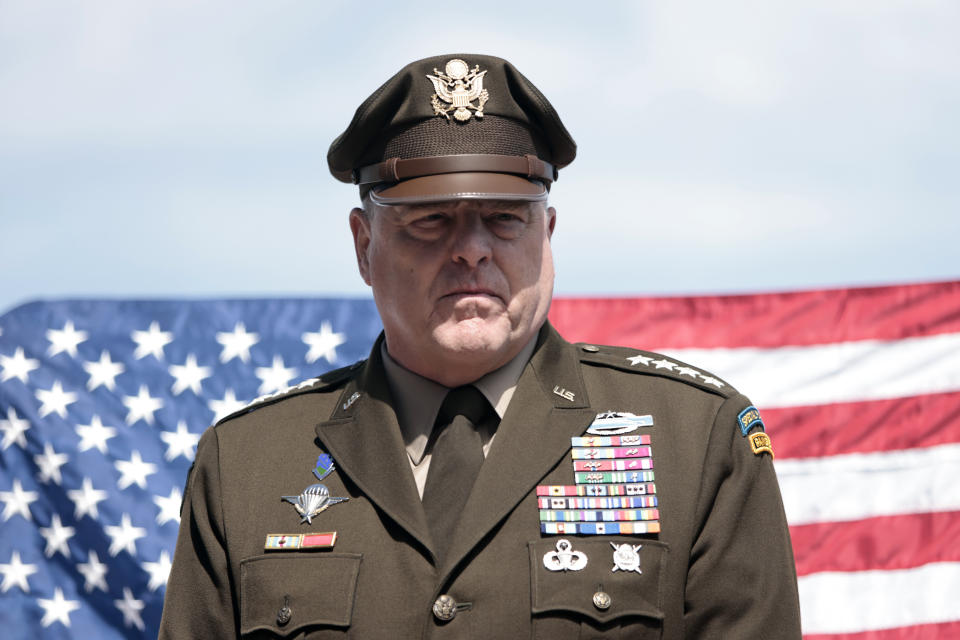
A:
{"x": 721, "y": 566}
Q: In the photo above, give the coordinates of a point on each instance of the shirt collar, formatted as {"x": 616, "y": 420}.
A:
{"x": 417, "y": 399}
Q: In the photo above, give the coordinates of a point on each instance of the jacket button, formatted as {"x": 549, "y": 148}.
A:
{"x": 444, "y": 608}
{"x": 283, "y": 615}
{"x": 601, "y": 600}
{"x": 589, "y": 348}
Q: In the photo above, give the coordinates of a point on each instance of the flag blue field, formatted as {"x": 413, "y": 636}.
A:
{"x": 101, "y": 407}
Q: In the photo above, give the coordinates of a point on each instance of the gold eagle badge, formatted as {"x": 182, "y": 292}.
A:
{"x": 458, "y": 87}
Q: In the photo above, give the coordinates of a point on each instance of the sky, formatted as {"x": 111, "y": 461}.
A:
{"x": 177, "y": 149}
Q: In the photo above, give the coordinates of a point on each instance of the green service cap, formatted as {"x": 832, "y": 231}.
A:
{"x": 450, "y": 127}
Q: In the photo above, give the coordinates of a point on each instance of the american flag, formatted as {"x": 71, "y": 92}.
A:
{"x": 102, "y": 403}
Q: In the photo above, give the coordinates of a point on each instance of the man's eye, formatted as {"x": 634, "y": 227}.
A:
{"x": 432, "y": 219}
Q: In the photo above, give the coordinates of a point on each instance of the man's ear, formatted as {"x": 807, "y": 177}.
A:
{"x": 360, "y": 227}
{"x": 551, "y": 221}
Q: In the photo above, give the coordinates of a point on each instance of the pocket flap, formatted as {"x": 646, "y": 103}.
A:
{"x": 633, "y": 590}
{"x": 284, "y": 594}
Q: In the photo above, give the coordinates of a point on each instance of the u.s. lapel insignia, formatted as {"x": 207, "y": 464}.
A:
{"x": 564, "y": 558}
{"x": 611, "y": 423}
{"x": 626, "y": 557}
{"x": 458, "y": 88}
{"x": 315, "y": 498}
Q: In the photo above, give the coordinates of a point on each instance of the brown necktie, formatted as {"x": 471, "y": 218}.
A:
{"x": 455, "y": 461}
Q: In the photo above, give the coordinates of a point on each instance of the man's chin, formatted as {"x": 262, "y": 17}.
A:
{"x": 473, "y": 335}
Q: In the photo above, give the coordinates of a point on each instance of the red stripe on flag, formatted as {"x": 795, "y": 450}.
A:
{"x": 763, "y": 320}
{"x": 882, "y": 543}
{"x": 916, "y": 632}
{"x": 863, "y": 427}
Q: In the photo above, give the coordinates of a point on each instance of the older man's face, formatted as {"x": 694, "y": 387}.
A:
{"x": 461, "y": 286}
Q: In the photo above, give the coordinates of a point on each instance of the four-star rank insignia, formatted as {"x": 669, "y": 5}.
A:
{"x": 458, "y": 88}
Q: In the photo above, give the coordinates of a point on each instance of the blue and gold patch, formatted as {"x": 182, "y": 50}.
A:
{"x": 748, "y": 419}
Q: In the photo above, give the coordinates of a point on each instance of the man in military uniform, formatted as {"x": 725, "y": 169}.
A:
{"x": 478, "y": 476}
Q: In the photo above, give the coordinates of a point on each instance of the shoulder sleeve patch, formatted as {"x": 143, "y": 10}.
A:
{"x": 760, "y": 443}
{"x": 748, "y": 419}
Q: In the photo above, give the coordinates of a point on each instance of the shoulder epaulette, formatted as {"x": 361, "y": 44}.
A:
{"x": 657, "y": 364}
{"x": 326, "y": 382}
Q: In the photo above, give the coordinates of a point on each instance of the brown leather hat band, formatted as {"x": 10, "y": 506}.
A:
{"x": 395, "y": 170}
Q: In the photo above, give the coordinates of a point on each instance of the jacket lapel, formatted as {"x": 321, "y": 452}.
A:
{"x": 364, "y": 439}
{"x": 549, "y": 406}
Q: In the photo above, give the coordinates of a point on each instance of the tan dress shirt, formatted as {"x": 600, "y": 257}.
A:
{"x": 418, "y": 400}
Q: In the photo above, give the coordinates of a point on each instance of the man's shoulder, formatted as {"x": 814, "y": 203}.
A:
{"x": 649, "y": 363}
{"x": 328, "y": 382}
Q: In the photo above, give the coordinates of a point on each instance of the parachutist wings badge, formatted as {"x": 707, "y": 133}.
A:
{"x": 312, "y": 501}
{"x": 458, "y": 88}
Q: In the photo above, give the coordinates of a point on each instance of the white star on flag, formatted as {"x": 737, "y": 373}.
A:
{"x": 94, "y": 573}
{"x": 49, "y": 463}
{"x": 66, "y": 339}
{"x": 236, "y": 344}
{"x": 55, "y": 400}
{"x": 94, "y": 435}
{"x": 226, "y": 406}
{"x": 57, "y": 609}
{"x": 159, "y": 571}
{"x": 134, "y": 471}
{"x": 169, "y": 506}
{"x": 17, "y": 501}
{"x": 16, "y": 573}
{"x": 103, "y": 372}
{"x": 124, "y": 536}
{"x": 180, "y": 442}
{"x": 86, "y": 499}
{"x": 57, "y": 537}
{"x": 640, "y": 359}
{"x": 189, "y": 376}
{"x": 276, "y": 377}
{"x": 14, "y": 429}
{"x": 142, "y": 406}
{"x": 323, "y": 344}
{"x": 130, "y": 607}
{"x": 151, "y": 342}
{"x": 18, "y": 366}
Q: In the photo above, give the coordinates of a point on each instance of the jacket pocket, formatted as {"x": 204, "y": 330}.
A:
{"x": 290, "y": 594}
{"x": 590, "y": 599}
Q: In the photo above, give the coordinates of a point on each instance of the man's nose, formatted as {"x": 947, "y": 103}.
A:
{"x": 472, "y": 242}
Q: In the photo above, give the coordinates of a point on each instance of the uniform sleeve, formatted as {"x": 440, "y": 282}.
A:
{"x": 741, "y": 580}
{"x": 198, "y": 602}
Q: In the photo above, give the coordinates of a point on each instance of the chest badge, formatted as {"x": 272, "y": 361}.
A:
{"x": 316, "y": 498}
{"x": 564, "y": 558}
{"x": 626, "y": 557}
{"x": 612, "y": 423}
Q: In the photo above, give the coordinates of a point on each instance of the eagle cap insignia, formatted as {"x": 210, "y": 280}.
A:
{"x": 457, "y": 86}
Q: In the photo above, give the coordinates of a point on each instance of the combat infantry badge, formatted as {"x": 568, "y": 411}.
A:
{"x": 458, "y": 88}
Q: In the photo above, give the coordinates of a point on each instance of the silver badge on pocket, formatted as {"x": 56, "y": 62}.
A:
{"x": 564, "y": 558}
{"x": 626, "y": 557}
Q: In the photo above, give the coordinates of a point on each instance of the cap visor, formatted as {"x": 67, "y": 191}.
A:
{"x": 457, "y": 186}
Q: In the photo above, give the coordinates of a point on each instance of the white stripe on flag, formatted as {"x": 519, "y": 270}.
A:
{"x": 839, "y": 602}
{"x": 840, "y": 372}
{"x": 864, "y": 485}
